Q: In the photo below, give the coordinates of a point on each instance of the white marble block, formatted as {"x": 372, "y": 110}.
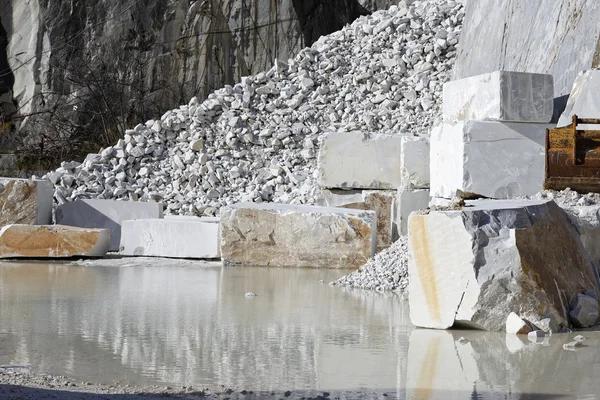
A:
{"x": 25, "y": 201}
{"x": 109, "y": 214}
{"x": 584, "y": 100}
{"x": 500, "y": 96}
{"x": 176, "y": 237}
{"x": 285, "y": 235}
{"x": 358, "y": 160}
{"x": 490, "y": 159}
{"x": 414, "y": 162}
{"x": 477, "y": 265}
{"x": 410, "y": 200}
{"x": 52, "y": 241}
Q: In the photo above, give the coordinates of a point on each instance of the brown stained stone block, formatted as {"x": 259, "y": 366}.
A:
{"x": 283, "y": 235}
{"x": 477, "y": 265}
{"x": 25, "y": 201}
{"x": 52, "y": 241}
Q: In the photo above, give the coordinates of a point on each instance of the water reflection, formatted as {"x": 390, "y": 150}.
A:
{"x": 194, "y": 326}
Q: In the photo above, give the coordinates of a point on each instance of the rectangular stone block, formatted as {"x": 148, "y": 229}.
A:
{"x": 358, "y": 160}
{"x": 52, "y": 241}
{"x": 408, "y": 202}
{"x": 109, "y": 214}
{"x": 25, "y": 201}
{"x": 285, "y": 235}
{"x": 414, "y": 162}
{"x": 338, "y": 197}
{"x": 500, "y": 96}
{"x": 175, "y": 237}
{"x": 491, "y": 159}
{"x": 383, "y": 203}
{"x": 477, "y": 265}
{"x": 584, "y": 100}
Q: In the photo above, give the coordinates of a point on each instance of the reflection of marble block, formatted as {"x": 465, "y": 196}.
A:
{"x": 109, "y": 214}
{"x": 25, "y": 201}
{"x": 177, "y": 237}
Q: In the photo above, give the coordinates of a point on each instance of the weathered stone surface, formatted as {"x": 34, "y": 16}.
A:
{"x": 25, "y": 201}
{"x": 176, "y": 237}
{"x": 584, "y": 100}
{"x": 282, "y": 235}
{"x": 491, "y": 159}
{"x": 52, "y": 241}
{"x": 584, "y": 311}
{"x": 477, "y": 265}
{"x": 360, "y": 160}
{"x": 414, "y": 162}
{"x": 384, "y": 204}
{"x": 338, "y": 197}
{"x": 500, "y": 96}
{"x": 551, "y": 37}
{"x": 409, "y": 201}
{"x": 109, "y": 214}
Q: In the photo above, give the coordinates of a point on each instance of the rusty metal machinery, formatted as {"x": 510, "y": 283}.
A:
{"x": 573, "y": 157}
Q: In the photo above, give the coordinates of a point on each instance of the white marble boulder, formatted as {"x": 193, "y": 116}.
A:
{"x": 409, "y": 201}
{"x": 52, "y": 241}
{"x": 25, "y": 201}
{"x": 584, "y": 100}
{"x": 174, "y": 237}
{"x": 359, "y": 160}
{"x": 283, "y": 235}
{"x": 475, "y": 266}
{"x": 489, "y": 159}
{"x": 414, "y": 162}
{"x": 109, "y": 214}
{"x": 500, "y": 96}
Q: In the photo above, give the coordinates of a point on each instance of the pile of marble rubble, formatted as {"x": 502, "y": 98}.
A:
{"x": 258, "y": 140}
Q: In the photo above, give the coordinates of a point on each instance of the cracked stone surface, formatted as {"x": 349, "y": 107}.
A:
{"x": 476, "y": 265}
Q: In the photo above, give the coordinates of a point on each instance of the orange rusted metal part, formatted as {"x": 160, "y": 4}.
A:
{"x": 573, "y": 157}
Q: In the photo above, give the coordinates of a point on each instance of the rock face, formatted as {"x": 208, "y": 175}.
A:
{"x": 485, "y": 158}
{"x": 280, "y": 235}
{"x": 584, "y": 99}
{"x": 25, "y": 201}
{"x": 550, "y": 37}
{"x": 414, "y": 162}
{"x": 477, "y": 265}
{"x": 500, "y": 96}
{"x": 52, "y": 241}
{"x": 176, "y": 237}
{"x": 359, "y": 160}
{"x": 107, "y": 214}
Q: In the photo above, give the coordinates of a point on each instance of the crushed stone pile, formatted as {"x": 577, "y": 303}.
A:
{"x": 574, "y": 203}
{"x": 386, "y": 272}
{"x": 257, "y": 141}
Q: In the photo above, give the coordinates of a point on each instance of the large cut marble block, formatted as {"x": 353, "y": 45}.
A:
{"x": 284, "y": 235}
{"x": 109, "y": 214}
{"x": 25, "y": 201}
{"x": 359, "y": 160}
{"x": 52, "y": 241}
{"x": 477, "y": 265}
{"x": 414, "y": 162}
{"x": 485, "y": 158}
{"x": 500, "y": 96}
{"x": 176, "y": 237}
{"x": 584, "y": 100}
{"x": 408, "y": 201}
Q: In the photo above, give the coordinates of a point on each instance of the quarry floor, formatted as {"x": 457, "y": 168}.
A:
{"x": 125, "y": 328}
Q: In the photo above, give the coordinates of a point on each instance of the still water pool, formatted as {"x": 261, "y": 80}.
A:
{"x": 151, "y": 324}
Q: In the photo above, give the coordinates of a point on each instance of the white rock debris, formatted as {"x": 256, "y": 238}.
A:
{"x": 387, "y": 271}
{"x": 574, "y": 203}
{"x": 257, "y": 141}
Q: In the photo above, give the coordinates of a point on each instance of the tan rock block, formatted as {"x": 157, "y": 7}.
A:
{"x": 284, "y": 235}
{"x": 52, "y": 241}
{"x": 25, "y": 201}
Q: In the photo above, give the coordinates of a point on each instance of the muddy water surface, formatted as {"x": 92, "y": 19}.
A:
{"x": 186, "y": 325}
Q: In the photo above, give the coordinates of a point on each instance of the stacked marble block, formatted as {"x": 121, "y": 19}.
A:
{"x": 385, "y": 173}
{"x": 492, "y": 139}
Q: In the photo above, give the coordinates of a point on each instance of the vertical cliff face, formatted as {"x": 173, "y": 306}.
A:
{"x": 93, "y": 67}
